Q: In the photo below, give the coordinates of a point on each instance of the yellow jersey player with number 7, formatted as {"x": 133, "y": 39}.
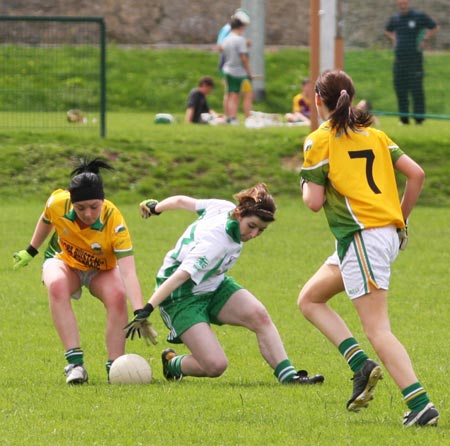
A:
{"x": 349, "y": 171}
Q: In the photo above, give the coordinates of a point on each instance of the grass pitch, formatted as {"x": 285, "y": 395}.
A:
{"x": 245, "y": 406}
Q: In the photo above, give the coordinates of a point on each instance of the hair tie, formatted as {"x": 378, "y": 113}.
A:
{"x": 343, "y": 92}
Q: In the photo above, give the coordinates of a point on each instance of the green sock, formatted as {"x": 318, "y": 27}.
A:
{"x": 174, "y": 365}
{"x": 415, "y": 396}
{"x": 108, "y": 365}
{"x": 74, "y": 356}
{"x": 353, "y": 354}
{"x": 285, "y": 371}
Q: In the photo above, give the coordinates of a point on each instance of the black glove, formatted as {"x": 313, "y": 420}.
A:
{"x": 140, "y": 325}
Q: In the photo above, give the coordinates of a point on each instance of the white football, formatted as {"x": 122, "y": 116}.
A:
{"x": 130, "y": 369}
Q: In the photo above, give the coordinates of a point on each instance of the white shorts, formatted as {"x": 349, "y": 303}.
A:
{"x": 84, "y": 276}
{"x": 368, "y": 260}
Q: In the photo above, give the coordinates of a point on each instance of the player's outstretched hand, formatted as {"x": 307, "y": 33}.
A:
{"x": 140, "y": 323}
{"x": 148, "y": 332}
{"x": 147, "y": 208}
{"x": 21, "y": 259}
{"x": 403, "y": 237}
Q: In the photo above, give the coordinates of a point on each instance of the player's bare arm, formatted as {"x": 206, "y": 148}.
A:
{"x": 415, "y": 177}
{"x": 313, "y": 195}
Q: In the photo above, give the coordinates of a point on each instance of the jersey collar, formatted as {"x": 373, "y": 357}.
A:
{"x": 233, "y": 230}
{"x": 97, "y": 225}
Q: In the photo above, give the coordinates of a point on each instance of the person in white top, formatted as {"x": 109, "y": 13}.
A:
{"x": 193, "y": 290}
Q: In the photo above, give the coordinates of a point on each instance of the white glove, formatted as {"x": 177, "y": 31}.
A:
{"x": 148, "y": 332}
{"x": 403, "y": 237}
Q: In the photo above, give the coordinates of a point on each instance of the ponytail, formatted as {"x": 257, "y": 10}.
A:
{"x": 337, "y": 91}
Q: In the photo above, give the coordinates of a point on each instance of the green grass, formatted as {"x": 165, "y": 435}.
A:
{"x": 143, "y": 80}
{"x": 49, "y": 78}
{"x": 245, "y": 406}
{"x": 180, "y": 158}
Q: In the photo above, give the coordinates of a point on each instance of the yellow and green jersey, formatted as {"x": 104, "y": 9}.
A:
{"x": 357, "y": 171}
{"x": 95, "y": 247}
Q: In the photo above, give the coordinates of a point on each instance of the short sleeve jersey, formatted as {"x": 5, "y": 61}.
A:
{"x": 197, "y": 100}
{"x": 408, "y": 29}
{"x": 96, "y": 247}
{"x": 357, "y": 171}
{"x": 233, "y": 47}
{"x": 208, "y": 248}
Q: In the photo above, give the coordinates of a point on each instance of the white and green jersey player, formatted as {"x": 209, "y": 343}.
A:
{"x": 208, "y": 248}
{"x": 193, "y": 291}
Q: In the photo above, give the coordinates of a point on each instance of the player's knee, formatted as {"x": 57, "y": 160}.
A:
{"x": 377, "y": 336}
{"x": 215, "y": 367}
{"x": 304, "y": 303}
{"x": 57, "y": 290}
{"x": 115, "y": 301}
{"x": 259, "y": 318}
{"x": 117, "y": 306}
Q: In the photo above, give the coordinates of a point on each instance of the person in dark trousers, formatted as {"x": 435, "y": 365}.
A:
{"x": 409, "y": 31}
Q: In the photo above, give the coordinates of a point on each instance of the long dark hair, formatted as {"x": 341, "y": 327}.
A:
{"x": 256, "y": 201}
{"x": 337, "y": 91}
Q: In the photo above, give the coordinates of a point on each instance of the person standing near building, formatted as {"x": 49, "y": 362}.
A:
{"x": 409, "y": 30}
{"x": 236, "y": 67}
{"x": 247, "y": 90}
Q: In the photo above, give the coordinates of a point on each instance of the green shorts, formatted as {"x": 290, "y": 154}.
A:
{"x": 238, "y": 84}
{"x": 193, "y": 309}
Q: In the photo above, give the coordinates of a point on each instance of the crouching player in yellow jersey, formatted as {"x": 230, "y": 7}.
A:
{"x": 90, "y": 246}
{"x": 348, "y": 171}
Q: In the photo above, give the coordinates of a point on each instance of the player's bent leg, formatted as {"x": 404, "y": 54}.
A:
{"x": 312, "y": 302}
{"x": 207, "y": 357}
{"x": 245, "y": 310}
{"x": 373, "y": 313}
{"x": 61, "y": 283}
{"x": 107, "y": 286}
